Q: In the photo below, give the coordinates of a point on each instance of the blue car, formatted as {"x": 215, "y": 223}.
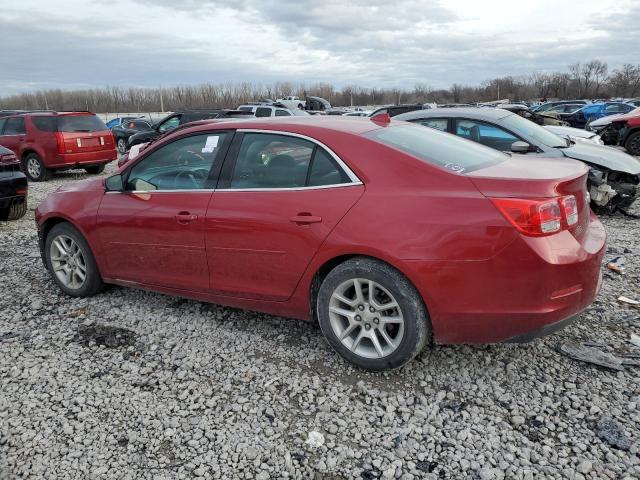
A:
{"x": 592, "y": 111}
{"x": 118, "y": 121}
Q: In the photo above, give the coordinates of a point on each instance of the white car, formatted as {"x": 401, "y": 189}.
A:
{"x": 292, "y": 102}
{"x": 575, "y": 134}
{"x": 271, "y": 111}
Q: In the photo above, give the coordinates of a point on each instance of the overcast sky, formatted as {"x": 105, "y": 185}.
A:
{"x": 79, "y": 43}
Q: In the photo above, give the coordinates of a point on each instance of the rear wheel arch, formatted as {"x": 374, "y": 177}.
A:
{"x": 333, "y": 262}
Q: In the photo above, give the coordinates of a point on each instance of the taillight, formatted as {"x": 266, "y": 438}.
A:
{"x": 60, "y": 142}
{"x": 539, "y": 217}
{"x": 570, "y": 208}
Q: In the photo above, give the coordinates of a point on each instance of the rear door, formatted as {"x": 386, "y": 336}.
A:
{"x": 278, "y": 198}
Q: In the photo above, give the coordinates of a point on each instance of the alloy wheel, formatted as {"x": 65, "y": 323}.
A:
{"x": 366, "y": 318}
{"x": 122, "y": 146}
{"x": 33, "y": 167}
{"x": 68, "y": 262}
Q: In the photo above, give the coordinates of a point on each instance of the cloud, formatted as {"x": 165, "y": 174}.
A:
{"x": 75, "y": 44}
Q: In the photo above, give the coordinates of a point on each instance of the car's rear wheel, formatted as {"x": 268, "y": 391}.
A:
{"x": 122, "y": 146}
{"x": 35, "y": 169}
{"x": 632, "y": 145}
{"x": 372, "y": 315}
{"x": 95, "y": 169}
{"x": 71, "y": 262}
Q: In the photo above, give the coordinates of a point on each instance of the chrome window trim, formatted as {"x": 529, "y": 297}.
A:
{"x": 288, "y": 189}
{"x": 182, "y": 190}
{"x": 352, "y": 176}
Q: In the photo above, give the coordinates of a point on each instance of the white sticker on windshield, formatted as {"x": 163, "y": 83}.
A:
{"x": 211, "y": 144}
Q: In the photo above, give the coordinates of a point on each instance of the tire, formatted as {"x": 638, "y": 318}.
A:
{"x": 61, "y": 234}
{"x": 632, "y": 145}
{"x": 95, "y": 169}
{"x": 34, "y": 168}
{"x": 122, "y": 145}
{"x": 366, "y": 319}
{"x": 17, "y": 210}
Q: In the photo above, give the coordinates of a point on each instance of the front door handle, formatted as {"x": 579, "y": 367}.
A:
{"x": 185, "y": 217}
{"x": 305, "y": 219}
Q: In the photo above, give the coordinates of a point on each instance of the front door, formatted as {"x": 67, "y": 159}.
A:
{"x": 154, "y": 231}
{"x": 272, "y": 210}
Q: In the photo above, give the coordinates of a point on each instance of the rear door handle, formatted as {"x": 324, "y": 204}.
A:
{"x": 185, "y": 217}
{"x": 305, "y": 219}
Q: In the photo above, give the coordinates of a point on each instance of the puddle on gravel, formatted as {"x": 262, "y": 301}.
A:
{"x": 110, "y": 337}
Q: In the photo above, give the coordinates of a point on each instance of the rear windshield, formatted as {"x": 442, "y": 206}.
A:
{"x": 80, "y": 123}
{"x": 437, "y": 148}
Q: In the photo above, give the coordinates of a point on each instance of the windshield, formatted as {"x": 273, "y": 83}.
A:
{"x": 437, "y": 148}
{"x": 80, "y": 123}
{"x": 531, "y": 131}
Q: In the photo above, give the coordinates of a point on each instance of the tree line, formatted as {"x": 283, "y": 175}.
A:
{"x": 581, "y": 80}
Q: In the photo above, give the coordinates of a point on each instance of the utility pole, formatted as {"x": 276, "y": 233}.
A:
{"x": 46, "y": 104}
{"x": 161, "y": 101}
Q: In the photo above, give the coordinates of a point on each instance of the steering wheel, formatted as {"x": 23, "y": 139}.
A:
{"x": 196, "y": 177}
{"x": 189, "y": 156}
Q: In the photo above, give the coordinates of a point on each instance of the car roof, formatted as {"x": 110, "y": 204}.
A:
{"x": 477, "y": 113}
{"x": 294, "y": 124}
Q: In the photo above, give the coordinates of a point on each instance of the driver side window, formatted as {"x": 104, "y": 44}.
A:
{"x": 184, "y": 164}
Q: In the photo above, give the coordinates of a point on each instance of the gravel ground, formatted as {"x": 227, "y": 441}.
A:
{"x": 134, "y": 385}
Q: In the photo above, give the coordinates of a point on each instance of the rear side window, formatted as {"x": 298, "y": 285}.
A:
{"x": 45, "y": 124}
{"x": 282, "y": 113}
{"x": 437, "y": 148}
{"x": 80, "y": 123}
{"x": 263, "y": 112}
{"x": 325, "y": 171}
{"x": 14, "y": 126}
{"x": 2, "y": 123}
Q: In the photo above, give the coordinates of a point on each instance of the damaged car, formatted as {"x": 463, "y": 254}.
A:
{"x": 624, "y": 130}
{"x": 614, "y": 176}
{"x": 541, "y": 118}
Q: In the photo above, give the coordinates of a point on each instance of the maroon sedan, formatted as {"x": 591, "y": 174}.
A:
{"x": 389, "y": 234}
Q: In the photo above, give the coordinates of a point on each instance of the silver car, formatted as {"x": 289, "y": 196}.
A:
{"x": 614, "y": 177}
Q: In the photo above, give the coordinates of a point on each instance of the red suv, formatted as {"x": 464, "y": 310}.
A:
{"x": 48, "y": 141}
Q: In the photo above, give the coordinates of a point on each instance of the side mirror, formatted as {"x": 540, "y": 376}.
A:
{"x": 114, "y": 184}
{"x": 520, "y": 147}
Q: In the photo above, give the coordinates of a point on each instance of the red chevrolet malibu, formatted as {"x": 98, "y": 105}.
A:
{"x": 390, "y": 235}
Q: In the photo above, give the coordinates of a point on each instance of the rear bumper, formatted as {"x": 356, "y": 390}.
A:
{"x": 13, "y": 188}
{"x": 532, "y": 287}
{"x": 70, "y": 160}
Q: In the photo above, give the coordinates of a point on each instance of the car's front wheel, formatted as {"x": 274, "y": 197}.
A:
{"x": 122, "y": 146}
{"x": 372, "y": 315}
{"x": 632, "y": 145}
{"x": 71, "y": 262}
{"x": 35, "y": 169}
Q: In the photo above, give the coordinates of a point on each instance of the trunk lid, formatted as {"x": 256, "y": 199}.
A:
{"x": 81, "y": 133}
{"x": 537, "y": 178}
